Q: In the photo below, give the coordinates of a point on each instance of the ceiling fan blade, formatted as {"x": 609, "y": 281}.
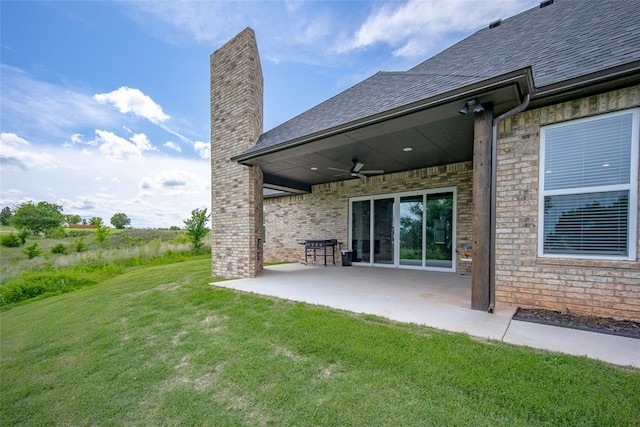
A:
{"x": 373, "y": 171}
{"x": 360, "y": 175}
{"x": 357, "y": 166}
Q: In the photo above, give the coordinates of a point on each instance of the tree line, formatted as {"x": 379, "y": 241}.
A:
{"x": 43, "y": 217}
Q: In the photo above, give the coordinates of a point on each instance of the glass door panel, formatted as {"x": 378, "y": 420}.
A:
{"x": 411, "y": 211}
{"x": 439, "y": 230}
{"x": 361, "y": 231}
{"x": 383, "y": 230}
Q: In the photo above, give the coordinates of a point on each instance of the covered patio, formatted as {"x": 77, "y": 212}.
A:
{"x": 437, "y": 299}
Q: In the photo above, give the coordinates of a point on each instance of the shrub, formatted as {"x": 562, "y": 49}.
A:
{"x": 31, "y": 285}
{"x": 59, "y": 249}
{"x": 22, "y": 235}
{"x": 56, "y": 233}
{"x": 80, "y": 245}
{"x": 11, "y": 241}
{"x": 196, "y": 227}
{"x": 180, "y": 239}
{"x": 101, "y": 233}
{"x": 32, "y": 250}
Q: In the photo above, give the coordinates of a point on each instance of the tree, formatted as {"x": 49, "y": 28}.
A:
{"x": 96, "y": 220}
{"x": 72, "y": 219}
{"x": 102, "y": 231}
{"x": 5, "y": 215}
{"x": 120, "y": 220}
{"x": 197, "y": 228}
{"x": 37, "y": 218}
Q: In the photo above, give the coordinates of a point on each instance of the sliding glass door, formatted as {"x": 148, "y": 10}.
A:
{"x": 383, "y": 231}
{"x": 361, "y": 230}
{"x": 439, "y": 230}
{"x": 411, "y": 232}
{"x": 406, "y": 230}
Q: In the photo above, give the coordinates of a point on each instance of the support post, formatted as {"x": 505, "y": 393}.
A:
{"x": 482, "y": 244}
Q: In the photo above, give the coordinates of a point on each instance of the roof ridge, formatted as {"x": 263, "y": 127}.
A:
{"x": 408, "y": 73}
{"x": 450, "y": 75}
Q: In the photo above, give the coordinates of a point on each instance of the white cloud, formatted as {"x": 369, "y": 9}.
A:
{"x": 16, "y": 152}
{"x": 145, "y": 183}
{"x": 415, "y": 27}
{"x": 203, "y": 149}
{"x": 13, "y": 140}
{"x": 173, "y": 181}
{"x": 297, "y": 31}
{"x": 80, "y": 203}
{"x": 118, "y": 148}
{"x": 201, "y": 21}
{"x": 32, "y": 107}
{"x": 131, "y": 100}
{"x": 175, "y": 186}
{"x": 142, "y": 142}
{"x": 173, "y": 146}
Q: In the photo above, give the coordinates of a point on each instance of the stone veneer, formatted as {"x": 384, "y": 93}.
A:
{"x": 593, "y": 287}
{"x": 324, "y": 213}
{"x": 236, "y": 190}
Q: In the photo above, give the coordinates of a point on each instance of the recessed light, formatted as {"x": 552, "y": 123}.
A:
{"x": 407, "y": 149}
{"x": 314, "y": 168}
{"x": 605, "y": 165}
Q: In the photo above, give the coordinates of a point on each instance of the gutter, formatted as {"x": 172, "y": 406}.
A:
{"x": 609, "y": 74}
{"x": 494, "y": 183}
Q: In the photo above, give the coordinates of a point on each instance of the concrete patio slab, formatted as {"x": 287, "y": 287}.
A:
{"x": 435, "y": 299}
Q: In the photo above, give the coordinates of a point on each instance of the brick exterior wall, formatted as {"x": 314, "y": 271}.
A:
{"x": 236, "y": 190}
{"x": 324, "y": 213}
{"x": 600, "y": 288}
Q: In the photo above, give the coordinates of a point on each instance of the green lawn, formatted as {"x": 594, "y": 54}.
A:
{"x": 158, "y": 346}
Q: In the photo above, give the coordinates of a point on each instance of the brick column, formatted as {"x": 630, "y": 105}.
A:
{"x": 236, "y": 190}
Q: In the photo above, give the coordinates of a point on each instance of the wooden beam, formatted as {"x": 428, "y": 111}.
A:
{"x": 482, "y": 245}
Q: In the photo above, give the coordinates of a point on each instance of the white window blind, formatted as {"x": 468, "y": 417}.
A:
{"x": 588, "y": 169}
{"x": 588, "y": 154}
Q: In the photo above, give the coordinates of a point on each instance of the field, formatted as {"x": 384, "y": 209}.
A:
{"x": 69, "y": 259}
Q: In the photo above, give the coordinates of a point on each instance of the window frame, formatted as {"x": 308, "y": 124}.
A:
{"x": 631, "y": 187}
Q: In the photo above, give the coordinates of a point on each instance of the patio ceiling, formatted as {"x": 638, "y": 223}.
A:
{"x": 438, "y": 135}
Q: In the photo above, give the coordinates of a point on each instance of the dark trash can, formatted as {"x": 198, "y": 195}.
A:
{"x": 346, "y": 258}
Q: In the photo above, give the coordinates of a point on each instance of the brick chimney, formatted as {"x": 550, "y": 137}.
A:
{"x": 236, "y": 190}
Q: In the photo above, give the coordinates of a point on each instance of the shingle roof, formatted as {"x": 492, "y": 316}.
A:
{"x": 564, "y": 40}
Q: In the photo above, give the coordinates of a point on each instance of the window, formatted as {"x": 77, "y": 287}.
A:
{"x": 589, "y": 187}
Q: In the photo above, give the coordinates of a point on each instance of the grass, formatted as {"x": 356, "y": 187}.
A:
{"x": 159, "y": 346}
{"x": 119, "y": 245}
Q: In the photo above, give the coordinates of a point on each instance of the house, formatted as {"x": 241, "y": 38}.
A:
{"x": 517, "y": 145}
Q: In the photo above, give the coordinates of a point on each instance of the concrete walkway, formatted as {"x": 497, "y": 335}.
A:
{"x": 439, "y": 300}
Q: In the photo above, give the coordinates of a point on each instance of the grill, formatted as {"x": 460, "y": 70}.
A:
{"x": 327, "y": 248}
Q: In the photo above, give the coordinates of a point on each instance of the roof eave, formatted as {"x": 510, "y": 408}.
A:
{"x": 621, "y": 73}
{"x": 522, "y": 77}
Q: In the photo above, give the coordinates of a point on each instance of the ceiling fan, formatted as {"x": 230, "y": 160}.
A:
{"x": 356, "y": 171}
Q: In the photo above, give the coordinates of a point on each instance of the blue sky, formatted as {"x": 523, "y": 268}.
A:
{"x": 105, "y": 105}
